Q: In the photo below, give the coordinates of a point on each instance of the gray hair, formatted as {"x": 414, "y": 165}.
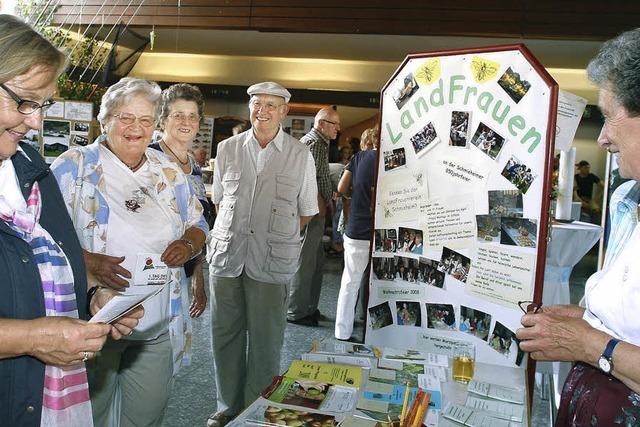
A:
{"x": 22, "y": 48}
{"x": 181, "y": 91}
{"x": 616, "y": 67}
{"x": 121, "y": 92}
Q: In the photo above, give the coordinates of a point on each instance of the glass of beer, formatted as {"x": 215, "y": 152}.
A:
{"x": 464, "y": 360}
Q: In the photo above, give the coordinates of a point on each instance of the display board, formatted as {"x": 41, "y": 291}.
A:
{"x": 461, "y": 200}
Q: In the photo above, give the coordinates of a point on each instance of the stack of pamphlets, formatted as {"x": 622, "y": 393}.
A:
{"x": 488, "y": 405}
{"x": 345, "y": 353}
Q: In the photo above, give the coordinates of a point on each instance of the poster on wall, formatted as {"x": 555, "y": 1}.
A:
{"x": 204, "y": 137}
{"x": 461, "y": 200}
{"x": 297, "y": 126}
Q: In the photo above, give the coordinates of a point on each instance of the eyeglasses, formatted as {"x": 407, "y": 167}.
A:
{"x": 528, "y": 307}
{"x": 180, "y": 117}
{"x": 257, "y": 105}
{"x": 129, "y": 119}
{"x": 25, "y": 106}
{"x": 336, "y": 124}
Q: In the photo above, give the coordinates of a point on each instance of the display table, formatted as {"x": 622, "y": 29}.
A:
{"x": 569, "y": 243}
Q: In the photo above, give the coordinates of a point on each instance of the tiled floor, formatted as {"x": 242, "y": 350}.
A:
{"x": 193, "y": 394}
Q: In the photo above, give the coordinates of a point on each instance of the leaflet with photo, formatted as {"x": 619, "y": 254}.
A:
{"x": 312, "y": 394}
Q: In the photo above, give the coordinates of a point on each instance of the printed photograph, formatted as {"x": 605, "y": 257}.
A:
{"x": 505, "y": 203}
{"x": 459, "y": 128}
{"x": 384, "y": 268}
{"x": 515, "y": 86}
{"x": 408, "y": 313}
{"x": 474, "y": 322}
{"x": 503, "y": 340}
{"x": 81, "y": 127}
{"x": 410, "y": 240}
{"x": 380, "y": 316}
{"x": 56, "y": 135}
{"x": 519, "y": 232}
{"x": 306, "y": 393}
{"x": 441, "y": 316}
{"x": 488, "y": 228}
{"x": 407, "y": 268}
{"x": 488, "y": 141}
{"x": 425, "y": 139}
{"x": 394, "y": 159}
{"x": 79, "y": 140}
{"x": 518, "y": 174}
{"x": 455, "y": 264}
{"x": 385, "y": 240}
{"x": 274, "y": 415}
{"x": 428, "y": 273}
{"x": 404, "y": 90}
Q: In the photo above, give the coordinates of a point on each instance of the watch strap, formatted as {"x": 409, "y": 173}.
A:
{"x": 608, "y": 351}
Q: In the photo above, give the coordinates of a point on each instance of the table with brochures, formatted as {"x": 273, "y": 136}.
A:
{"x": 355, "y": 385}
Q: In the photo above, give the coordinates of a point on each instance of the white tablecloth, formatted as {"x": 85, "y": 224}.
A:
{"x": 569, "y": 243}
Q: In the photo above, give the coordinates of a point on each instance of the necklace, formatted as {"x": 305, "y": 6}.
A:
{"x": 132, "y": 168}
{"x": 185, "y": 163}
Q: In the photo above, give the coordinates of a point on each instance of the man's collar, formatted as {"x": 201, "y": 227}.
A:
{"x": 277, "y": 141}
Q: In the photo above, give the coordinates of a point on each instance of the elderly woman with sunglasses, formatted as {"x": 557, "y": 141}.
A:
{"x": 43, "y": 283}
{"x": 133, "y": 210}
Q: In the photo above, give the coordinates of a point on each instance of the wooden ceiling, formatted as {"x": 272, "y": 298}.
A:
{"x": 529, "y": 19}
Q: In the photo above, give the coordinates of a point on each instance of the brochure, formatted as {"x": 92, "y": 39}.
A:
{"x": 494, "y": 391}
{"x": 346, "y": 375}
{"x": 312, "y": 394}
{"x": 122, "y": 304}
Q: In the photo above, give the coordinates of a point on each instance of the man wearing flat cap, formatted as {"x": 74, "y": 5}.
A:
{"x": 264, "y": 189}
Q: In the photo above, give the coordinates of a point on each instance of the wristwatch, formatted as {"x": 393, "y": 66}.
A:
{"x": 605, "y": 362}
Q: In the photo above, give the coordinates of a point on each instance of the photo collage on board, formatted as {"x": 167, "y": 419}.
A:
{"x": 438, "y": 244}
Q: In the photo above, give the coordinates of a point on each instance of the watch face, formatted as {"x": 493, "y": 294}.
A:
{"x": 604, "y": 364}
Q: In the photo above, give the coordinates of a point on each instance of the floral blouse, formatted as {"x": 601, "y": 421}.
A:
{"x": 81, "y": 180}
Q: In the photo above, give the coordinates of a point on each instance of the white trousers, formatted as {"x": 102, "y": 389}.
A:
{"x": 356, "y": 256}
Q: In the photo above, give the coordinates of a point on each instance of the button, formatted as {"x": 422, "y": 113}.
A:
{"x": 30, "y": 408}
{"x": 251, "y": 231}
{"x": 26, "y": 185}
{"x": 25, "y": 259}
{"x": 274, "y": 210}
{"x": 59, "y": 242}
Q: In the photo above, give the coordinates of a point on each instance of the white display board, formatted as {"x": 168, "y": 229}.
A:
{"x": 461, "y": 200}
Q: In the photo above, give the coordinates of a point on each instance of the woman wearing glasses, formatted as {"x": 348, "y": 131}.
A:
{"x": 133, "y": 210}
{"x": 43, "y": 284}
{"x": 181, "y": 112}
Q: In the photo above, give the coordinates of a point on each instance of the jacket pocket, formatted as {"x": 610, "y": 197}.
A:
{"x": 230, "y": 183}
{"x": 283, "y": 220}
{"x": 283, "y": 257}
{"x": 224, "y": 216}
{"x": 218, "y": 252}
{"x": 286, "y": 188}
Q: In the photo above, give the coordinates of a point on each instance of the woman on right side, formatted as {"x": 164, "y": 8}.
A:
{"x": 603, "y": 339}
{"x": 357, "y": 179}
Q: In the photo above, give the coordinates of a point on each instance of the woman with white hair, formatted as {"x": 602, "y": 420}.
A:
{"x": 132, "y": 209}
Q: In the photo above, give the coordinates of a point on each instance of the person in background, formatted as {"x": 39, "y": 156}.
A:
{"x": 304, "y": 293}
{"x": 200, "y": 156}
{"x": 585, "y": 181}
{"x": 44, "y": 303}
{"x": 132, "y": 207}
{"x": 264, "y": 191}
{"x": 358, "y": 180}
{"x": 603, "y": 338}
{"x": 181, "y": 113}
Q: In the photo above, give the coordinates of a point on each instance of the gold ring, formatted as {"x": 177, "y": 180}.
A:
{"x": 85, "y": 356}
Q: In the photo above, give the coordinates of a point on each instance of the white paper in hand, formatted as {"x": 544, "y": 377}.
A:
{"x": 120, "y": 305}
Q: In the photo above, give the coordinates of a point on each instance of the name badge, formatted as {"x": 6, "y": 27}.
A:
{"x": 150, "y": 270}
